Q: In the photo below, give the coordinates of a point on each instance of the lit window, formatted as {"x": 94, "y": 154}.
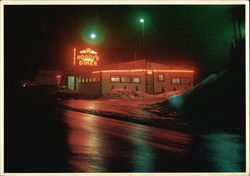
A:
{"x": 136, "y": 79}
{"x": 83, "y": 80}
{"x": 149, "y": 72}
{"x": 115, "y": 78}
{"x": 176, "y": 81}
{"x": 94, "y": 79}
{"x": 71, "y": 82}
{"x": 90, "y": 79}
{"x": 125, "y": 79}
{"x": 79, "y": 79}
{"x": 87, "y": 80}
{"x": 185, "y": 81}
{"x": 161, "y": 77}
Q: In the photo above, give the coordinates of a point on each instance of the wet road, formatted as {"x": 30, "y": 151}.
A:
{"x": 36, "y": 141}
{"x": 100, "y": 144}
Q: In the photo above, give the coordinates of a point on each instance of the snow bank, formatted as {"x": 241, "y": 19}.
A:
{"x": 125, "y": 94}
{"x": 120, "y": 93}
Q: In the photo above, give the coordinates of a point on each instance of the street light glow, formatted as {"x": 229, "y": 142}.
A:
{"x": 92, "y": 35}
{"x": 141, "y": 20}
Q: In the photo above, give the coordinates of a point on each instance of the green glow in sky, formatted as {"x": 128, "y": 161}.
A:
{"x": 92, "y": 34}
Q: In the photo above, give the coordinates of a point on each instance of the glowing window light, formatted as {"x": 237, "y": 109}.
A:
{"x": 149, "y": 72}
{"x": 160, "y": 77}
{"x": 176, "y": 81}
{"x": 136, "y": 79}
{"x": 125, "y": 79}
{"x": 185, "y": 81}
{"x": 115, "y": 78}
{"x": 71, "y": 82}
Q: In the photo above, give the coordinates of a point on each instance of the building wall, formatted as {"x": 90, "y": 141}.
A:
{"x": 46, "y": 81}
{"x": 87, "y": 83}
{"x": 91, "y": 89}
{"x": 147, "y": 71}
{"x": 168, "y": 86}
{"x": 152, "y": 86}
{"x": 47, "y": 78}
{"x": 107, "y": 85}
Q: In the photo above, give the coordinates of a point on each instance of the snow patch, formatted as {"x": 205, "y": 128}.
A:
{"x": 119, "y": 93}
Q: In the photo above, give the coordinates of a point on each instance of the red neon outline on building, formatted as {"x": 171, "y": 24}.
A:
{"x": 141, "y": 70}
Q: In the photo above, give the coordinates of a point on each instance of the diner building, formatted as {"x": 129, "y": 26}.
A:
{"x": 140, "y": 75}
{"x": 90, "y": 79}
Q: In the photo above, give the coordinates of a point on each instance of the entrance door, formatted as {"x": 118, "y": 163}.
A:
{"x": 71, "y": 82}
{"x": 150, "y": 83}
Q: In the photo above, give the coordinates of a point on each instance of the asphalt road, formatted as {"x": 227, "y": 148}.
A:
{"x": 100, "y": 144}
{"x": 40, "y": 136}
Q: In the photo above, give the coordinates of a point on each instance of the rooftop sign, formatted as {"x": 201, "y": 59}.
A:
{"x": 86, "y": 57}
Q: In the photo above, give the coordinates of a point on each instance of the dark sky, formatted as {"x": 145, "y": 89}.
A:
{"x": 43, "y": 36}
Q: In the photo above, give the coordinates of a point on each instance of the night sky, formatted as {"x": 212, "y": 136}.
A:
{"x": 43, "y": 36}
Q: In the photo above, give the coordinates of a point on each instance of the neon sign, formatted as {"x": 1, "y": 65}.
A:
{"x": 85, "y": 57}
{"x": 142, "y": 70}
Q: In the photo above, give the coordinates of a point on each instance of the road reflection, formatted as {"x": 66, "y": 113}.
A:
{"x": 225, "y": 151}
{"x": 143, "y": 153}
{"x": 124, "y": 107}
{"x": 100, "y": 144}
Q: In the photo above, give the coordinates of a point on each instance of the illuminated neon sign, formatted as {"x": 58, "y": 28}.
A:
{"x": 85, "y": 57}
{"x": 148, "y": 71}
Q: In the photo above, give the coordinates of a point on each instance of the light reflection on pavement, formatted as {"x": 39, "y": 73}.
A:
{"x": 101, "y": 144}
{"x": 133, "y": 108}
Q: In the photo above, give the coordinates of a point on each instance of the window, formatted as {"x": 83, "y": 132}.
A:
{"x": 71, "y": 82}
{"x": 175, "y": 81}
{"x": 83, "y": 80}
{"x": 161, "y": 77}
{"x": 125, "y": 79}
{"x": 185, "y": 81}
{"x": 94, "y": 79}
{"x": 115, "y": 78}
{"x": 90, "y": 79}
{"x": 98, "y": 79}
{"x": 136, "y": 79}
